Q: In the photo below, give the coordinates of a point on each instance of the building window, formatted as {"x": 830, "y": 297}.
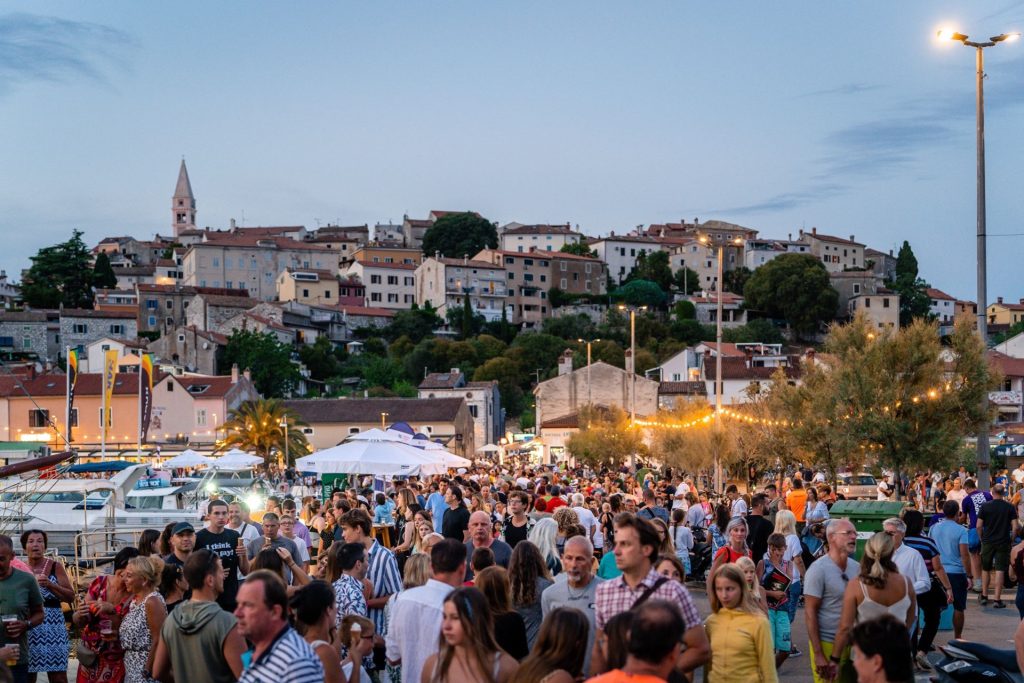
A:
{"x": 374, "y": 296}
{"x": 305, "y": 293}
{"x": 117, "y": 329}
{"x": 392, "y": 279}
{"x": 80, "y": 328}
{"x": 201, "y": 417}
{"x": 26, "y": 342}
{"x": 885, "y": 302}
{"x": 375, "y": 279}
{"x": 151, "y": 320}
{"x": 39, "y": 418}
{"x": 353, "y": 430}
{"x": 110, "y": 418}
{"x": 473, "y": 411}
{"x": 856, "y": 288}
{"x": 327, "y": 294}
{"x": 152, "y": 303}
{"x": 308, "y": 431}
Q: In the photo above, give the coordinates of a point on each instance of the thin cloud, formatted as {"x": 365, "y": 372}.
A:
{"x": 786, "y": 200}
{"x": 36, "y": 48}
{"x": 845, "y": 89}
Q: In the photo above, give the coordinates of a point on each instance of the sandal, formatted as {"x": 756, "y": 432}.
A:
{"x": 999, "y": 604}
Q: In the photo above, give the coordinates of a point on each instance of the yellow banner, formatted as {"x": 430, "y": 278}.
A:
{"x": 109, "y": 375}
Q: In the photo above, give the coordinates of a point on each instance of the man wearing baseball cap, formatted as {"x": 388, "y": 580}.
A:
{"x": 183, "y": 540}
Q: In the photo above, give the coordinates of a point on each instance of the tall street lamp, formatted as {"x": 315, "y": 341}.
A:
{"x": 284, "y": 425}
{"x": 588, "y": 342}
{"x": 979, "y": 47}
{"x": 720, "y": 242}
{"x": 632, "y": 379}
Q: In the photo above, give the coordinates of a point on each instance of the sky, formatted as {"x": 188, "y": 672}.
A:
{"x": 849, "y": 117}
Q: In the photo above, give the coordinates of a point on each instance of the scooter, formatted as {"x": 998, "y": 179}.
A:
{"x": 966, "y": 662}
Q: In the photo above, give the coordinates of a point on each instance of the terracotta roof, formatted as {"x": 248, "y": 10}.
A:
{"x": 683, "y": 388}
{"x": 1008, "y": 305}
{"x": 442, "y": 380}
{"x": 228, "y": 301}
{"x": 244, "y": 241}
{"x": 368, "y": 311}
{"x": 1008, "y": 365}
{"x": 270, "y": 230}
{"x": 23, "y": 317}
{"x": 90, "y": 313}
{"x": 399, "y": 266}
{"x": 88, "y": 384}
{"x": 829, "y": 238}
{"x": 441, "y": 214}
{"x": 541, "y": 229}
{"x": 627, "y": 238}
{"x": 215, "y": 337}
{"x": 191, "y": 291}
{"x": 129, "y": 271}
{"x": 419, "y": 223}
{"x": 364, "y": 410}
{"x": 571, "y": 421}
{"x": 216, "y": 385}
{"x": 553, "y": 255}
{"x": 938, "y": 294}
{"x": 267, "y": 322}
{"x": 728, "y": 348}
{"x": 736, "y": 368}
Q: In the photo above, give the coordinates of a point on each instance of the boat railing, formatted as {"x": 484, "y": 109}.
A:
{"x": 97, "y": 547}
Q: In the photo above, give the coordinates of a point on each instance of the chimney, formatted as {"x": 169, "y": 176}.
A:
{"x": 232, "y": 225}
{"x": 565, "y": 363}
{"x": 852, "y": 238}
{"x": 234, "y": 373}
{"x": 437, "y": 255}
{"x": 454, "y": 371}
{"x": 629, "y": 361}
{"x": 790, "y": 237}
{"x": 749, "y": 353}
{"x": 814, "y": 231}
{"x": 696, "y": 221}
{"x": 999, "y": 299}
{"x": 247, "y": 374}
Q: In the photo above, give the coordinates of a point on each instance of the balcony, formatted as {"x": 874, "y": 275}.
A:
{"x": 1006, "y": 398}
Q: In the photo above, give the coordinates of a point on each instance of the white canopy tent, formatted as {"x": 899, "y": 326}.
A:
{"x": 434, "y": 450}
{"x": 489, "y": 448}
{"x": 382, "y": 458}
{"x": 187, "y": 458}
{"x": 236, "y": 459}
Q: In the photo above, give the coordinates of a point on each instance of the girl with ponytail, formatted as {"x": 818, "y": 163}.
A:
{"x": 879, "y": 589}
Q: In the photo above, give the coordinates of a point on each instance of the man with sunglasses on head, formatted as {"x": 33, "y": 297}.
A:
{"x": 824, "y": 587}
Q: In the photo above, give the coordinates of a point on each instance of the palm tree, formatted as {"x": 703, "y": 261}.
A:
{"x": 259, "y": 427}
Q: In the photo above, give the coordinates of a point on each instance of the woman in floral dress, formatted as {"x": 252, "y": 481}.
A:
{"x": 140, "y": 628}
{"x": 99, "y": 616}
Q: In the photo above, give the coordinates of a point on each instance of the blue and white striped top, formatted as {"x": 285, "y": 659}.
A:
{"x": 289, "y": 659}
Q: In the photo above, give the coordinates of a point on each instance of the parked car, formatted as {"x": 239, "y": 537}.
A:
{"x": 853, "y": 486}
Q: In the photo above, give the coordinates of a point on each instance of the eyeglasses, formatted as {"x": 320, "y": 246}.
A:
{"x": 844, "y": 577}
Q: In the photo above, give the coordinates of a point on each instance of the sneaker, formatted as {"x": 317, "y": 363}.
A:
{"x": 922, "y": 662}
{"x": 999, "y": 604}
{"x": 793, "y": 652}
{"x": 982, "y": 600}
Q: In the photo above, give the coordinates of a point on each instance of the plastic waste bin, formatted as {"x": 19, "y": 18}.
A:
{"x": 867, "y": 516}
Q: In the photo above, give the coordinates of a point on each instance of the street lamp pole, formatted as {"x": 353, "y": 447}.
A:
{"x": 720, "y": 243}
{"x": 590, "y": 393}
{"x": 983, "y": 455}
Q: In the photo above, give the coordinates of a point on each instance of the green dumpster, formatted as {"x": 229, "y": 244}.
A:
{"x": 867, "y": 516}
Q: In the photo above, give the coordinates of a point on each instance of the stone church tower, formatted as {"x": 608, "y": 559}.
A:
{"x": 183, "y": 205}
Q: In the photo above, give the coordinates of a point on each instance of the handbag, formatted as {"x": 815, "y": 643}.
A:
{"x": 85, "y": 655}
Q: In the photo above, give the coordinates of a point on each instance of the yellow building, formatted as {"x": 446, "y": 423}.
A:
{"x": 1001, "y": 313}
{"x": 308, "y": 286}
{"x": 881, "y": 308}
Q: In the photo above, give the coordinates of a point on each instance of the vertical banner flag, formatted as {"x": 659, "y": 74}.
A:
{"x": 72, "y": 380}
{"x": 109, "y": 374}
{"x": 146, "y": 391}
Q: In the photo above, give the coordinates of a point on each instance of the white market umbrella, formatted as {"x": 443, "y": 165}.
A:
{"x": 378, "y": 435}
{"x": 434, "y": 450}
{"x": 187, "y": 458}
{"x": 380, "y": 458}
{"x": 489, "y": 448}
{"x": 236, "y": 459}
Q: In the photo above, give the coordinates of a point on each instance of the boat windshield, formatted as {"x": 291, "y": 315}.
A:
{"x": 76, "y": 498}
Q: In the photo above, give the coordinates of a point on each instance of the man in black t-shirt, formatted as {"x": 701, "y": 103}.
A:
{"x": 996, "y": 523}
{"x": 229, "y": 546}
{"x": 517, "y": 523}
{"x": 759, "y": 528}
{"x": 455, "y": 523}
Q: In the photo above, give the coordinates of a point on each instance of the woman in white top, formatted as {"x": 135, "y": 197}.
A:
{"x": 879, "y": 589}
{"x": 814, "y": 505}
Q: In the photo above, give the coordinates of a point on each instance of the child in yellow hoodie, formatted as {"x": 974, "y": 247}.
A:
{"x": 739, "y": 633}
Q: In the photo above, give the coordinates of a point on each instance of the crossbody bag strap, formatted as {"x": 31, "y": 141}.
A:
{"x": 649, "y": 591}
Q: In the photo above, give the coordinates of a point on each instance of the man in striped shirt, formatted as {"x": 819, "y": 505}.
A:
{"x": 280, "y": 654}
{"x": 382, "y": 572}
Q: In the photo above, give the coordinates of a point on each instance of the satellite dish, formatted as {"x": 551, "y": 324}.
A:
{"x": 206, "y": 345}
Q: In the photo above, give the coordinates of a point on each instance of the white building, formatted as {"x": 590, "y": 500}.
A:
{"x": 836, "y": 253}
{"x": 620, "y": 253}
{"x": 443, "y": 282}
{"x": 388, "y": 285}
{"x": 482, "y": 398}
{"x": 943, "y": 307}
{"x": 521, "y": 238}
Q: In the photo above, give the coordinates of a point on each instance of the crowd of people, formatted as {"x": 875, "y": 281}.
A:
{"x": 535, "y": 575}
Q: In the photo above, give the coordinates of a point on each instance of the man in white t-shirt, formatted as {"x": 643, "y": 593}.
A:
{"x": 587, "y": 519}
{"x": 679, "y": 497}
{"x": 1018, "y": 477}
{"x": 884, "y": 490}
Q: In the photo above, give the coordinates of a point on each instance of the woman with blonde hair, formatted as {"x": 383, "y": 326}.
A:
{"x": 738, "y": 631}
{"x": 544, "y": 536}
{"x": 785, "y": 524}
{"x": 468, "y": 652}
{"x": 878, "y": 589}
{"x": 749, "y": 570}
{"x": 557, "y": 657}
{"x": 140, "y": 628}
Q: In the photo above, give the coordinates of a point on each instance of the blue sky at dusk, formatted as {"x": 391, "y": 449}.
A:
{"x": 849, "y": 117}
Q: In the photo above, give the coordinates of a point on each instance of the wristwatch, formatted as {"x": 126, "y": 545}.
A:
{"x": 834, "y": 659}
